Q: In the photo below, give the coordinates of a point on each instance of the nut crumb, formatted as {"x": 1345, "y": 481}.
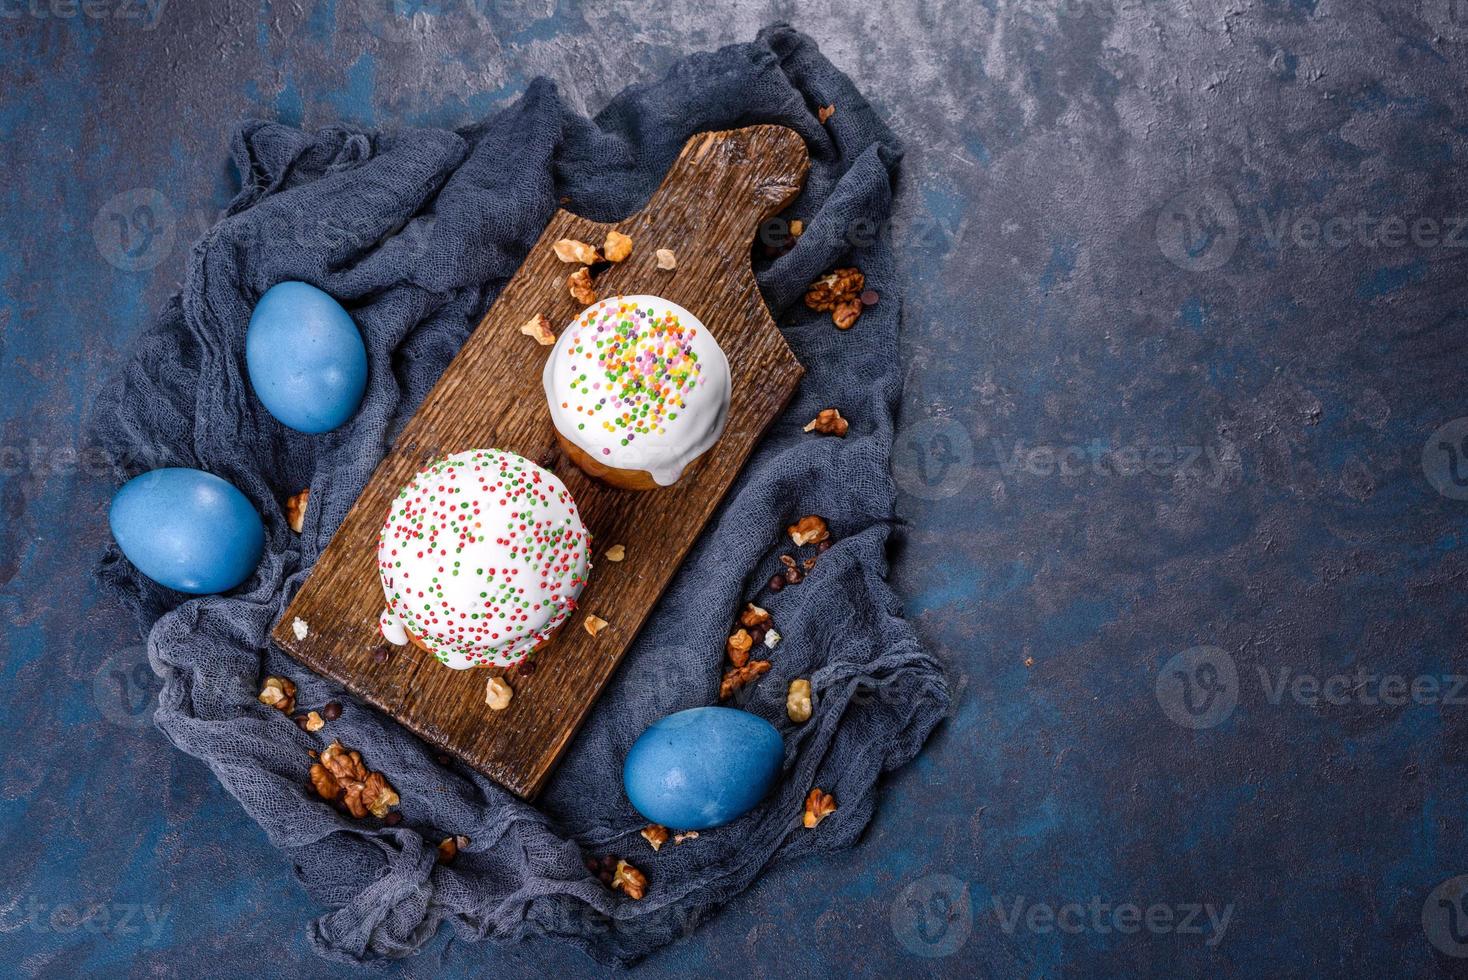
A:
{"x": 686, "y": 835}
{"x": 539, "y": 327}
{"x": 1029, "y": 661}
{"x": 629, "y": 881}
{"x": 579, "y": 284}
{"x": 314, "y": 722}
{"x": 772, "y": 637}
{"x": 497, "y": 693}
{"x": 279, "y": 693}
{"x": 295, "y": 510}
{"x": 818, "y": 806}
{"x": 740, "y": 676}
{"x": 828, "y": 422}
{"x": 825, "y": 112}
{"x": 754, "y": 616}
{"x": 299, "y": 627}
{"x": 845, "y": 314}
{"x": 594, "y": 624}
{"x": 808, "y": 530}
{"x": 738, "y": 647}
{"x": 655, "y": 834}
{"x": 666, "y": 259}
{"x": 618, "y": 246}
{"x": 615, "y": 553}
{"x": 570, "y": 250}
{"x": 797, "y": 700}
{"x": 797, "y": 228}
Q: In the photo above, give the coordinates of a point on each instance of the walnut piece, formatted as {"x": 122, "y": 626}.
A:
{"x": 828, "y": 422}
{"x": 825, "y": 112}
{"x": 740, "y": 676}
{"x": 570, "y": 250}
{"x": 818, "y": 806}
{"x": 295, "y": 510}
{"x": 615, "y": 553}
{"x": 655, "y": 834}
{"x": 594, "y": 624}
{"x": 341, "y": 777}
{"x": 755, "y": 616}
{"x": 314, "y": 722}
{"x": 449, "y": 848}
{"x": 666, "y": 259}
{"x": 279, "y": 693}
{"x": 792, "y": 572}
{"x": 539, "y": 327}
{"x": 846, "y": 313}
{"x": 629, "y": 880}
{"x": 838, "y": 292}
{"x": 618, "y": 246}
{"x": 808, "y": 530}
{"x": 797, "y": 700}
{"x": 497, "y": 694}
{"x": 686, "y": 835}
{"x": 797, "y": 228}
{"x": 738, "y": 647}
{"x": 579, "y": 283}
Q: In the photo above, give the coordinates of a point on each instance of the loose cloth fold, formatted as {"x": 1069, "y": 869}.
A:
{"x": 415, "y": 232}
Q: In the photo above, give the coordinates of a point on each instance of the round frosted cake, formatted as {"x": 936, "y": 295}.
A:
{"x": 638, "y": 390}
{"x": 482, "y": 558}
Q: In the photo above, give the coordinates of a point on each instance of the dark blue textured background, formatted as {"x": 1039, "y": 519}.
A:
{"x": 1155, "y": 245}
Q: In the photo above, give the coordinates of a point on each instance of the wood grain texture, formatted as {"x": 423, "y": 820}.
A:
{"x": 707, "y": 211}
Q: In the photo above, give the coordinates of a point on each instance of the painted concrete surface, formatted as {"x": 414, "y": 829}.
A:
{"x": 1181, "y": 460}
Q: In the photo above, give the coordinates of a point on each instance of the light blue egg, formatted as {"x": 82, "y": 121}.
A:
{"x": 702, "y": 767}
{"x": 305, "y": 356}
{"x": 187, "y": 529}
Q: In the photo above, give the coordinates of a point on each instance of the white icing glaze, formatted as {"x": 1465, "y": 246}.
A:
{"x": 638, "y": 383}
{"x": 392, "y": 630}
{"x": 482, "y": 557}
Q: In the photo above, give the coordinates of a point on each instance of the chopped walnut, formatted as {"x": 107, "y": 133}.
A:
{"x": 570, "y": 250}
{"x": 594, "y": 624}
{"x": 618, "y": 246}
{"x": 579, "y": 284}
{"x": 818, "y": 806}
{"x": 497, "y": 693}
{"x": 845, "y": 314}
{"x": 341, "y": 777}
{"x": 825, "y": 112}
{"x": 797, "y": 228}
{"x": 539, "y": 327}
{"x": 686, "y": 835}
{"x": 828, "y": 422}
{"x": 314, "y": 722}
{"x": 449, "y": 848}
{"x": 797, "y": 700}
{"x": 792, "y": 573}
{"x": 808, "y": 530}
{"x": 655, "y": 834}
{"x": 740, "y": 676}
{"x": 834, "y": 288}
{"x": 629, "y": 880}
{"x": 295, "y": 510}
{"x": 615, "y": 553}
{"x": 279, "y": 693}
{"x": 666, "y": 259}
{"x": 754, "y": 616}
{"x": 738, "y": 647}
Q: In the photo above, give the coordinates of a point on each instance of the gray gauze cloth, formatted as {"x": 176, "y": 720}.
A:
{"x": 415, "y": 232}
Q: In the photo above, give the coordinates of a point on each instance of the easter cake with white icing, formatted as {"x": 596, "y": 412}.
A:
{"x": 638, "y": 390}
{"x": 482, "y": 558}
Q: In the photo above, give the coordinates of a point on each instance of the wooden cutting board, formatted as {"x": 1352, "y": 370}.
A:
{"x": 707, "y": 211}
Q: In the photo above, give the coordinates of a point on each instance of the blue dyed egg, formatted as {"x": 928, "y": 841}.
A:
{"x": 307, "y": 363}
{"x": 702, "y": 767}
{"x": 187, "y": 529}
